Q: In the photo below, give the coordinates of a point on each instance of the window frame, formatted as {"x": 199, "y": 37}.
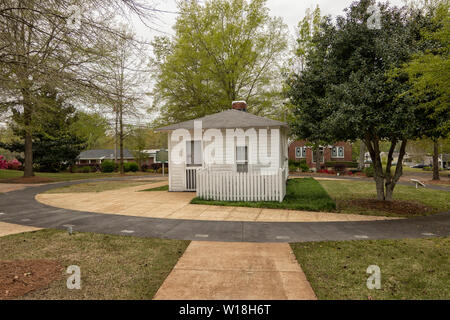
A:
{"x": 335, "y": 152}
{"x": 243, "y": 164}
{"x": 192, "y": 153}
{"x": 302, "y": 152}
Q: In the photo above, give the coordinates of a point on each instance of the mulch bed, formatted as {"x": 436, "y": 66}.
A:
{"x": 442, "y": 181}
{"x": 406, "y": 208}
{"x": 29, "y": 180}
{"x": 18, "y": 277}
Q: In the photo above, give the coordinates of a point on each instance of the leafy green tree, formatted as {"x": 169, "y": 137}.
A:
{"x": 55, "y": 144}
{"x": 429, "y": 77}
{"x": 93, "y": 128}
{"x": 222, "y": 51}
{"x": 354, "y": 89}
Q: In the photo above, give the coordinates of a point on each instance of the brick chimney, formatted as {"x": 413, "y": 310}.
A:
{"x": 239, "y": 105}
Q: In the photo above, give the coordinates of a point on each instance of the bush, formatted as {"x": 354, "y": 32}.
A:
{"x": 3, "y": 163}
{"x": 369, "y": 172}
{"x": 159, "y": 170}
{"x": 108, "y": 166}
{"x": 292, "y": 168}
{"x": 85, "y": 169}
{"x": 126, "y": 166}
{"x": 133, "y": 166}
{"x": 304, "y": 167}
{"x": 340, "y": 164}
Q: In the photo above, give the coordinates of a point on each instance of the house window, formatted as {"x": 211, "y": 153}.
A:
{"x": 242, "y": 159}
{"x": 337, "y": 152}
{"x": 320, "y": 154}
{"x": 193, "y": 153}
{"x": 300, "y": 152}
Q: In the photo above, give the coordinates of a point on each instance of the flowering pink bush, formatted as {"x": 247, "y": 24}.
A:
{"x": 12, "y": 164}
{"x": 3, "y": 163}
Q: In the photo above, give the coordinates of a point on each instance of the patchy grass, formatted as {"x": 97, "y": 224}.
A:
{"x": 162, "y": 188}
{"x": 301, "y": 194}
{"x": 345, "y": 191}
{"x": 112, "y": 267}
{"x": 410, "y": 268}
{"x": 63, "y": 176}
{"x": 100, "y": 186}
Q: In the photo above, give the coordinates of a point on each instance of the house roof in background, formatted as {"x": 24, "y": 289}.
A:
{"x": 226, "y": 120}
{"x": 103, "y": 154}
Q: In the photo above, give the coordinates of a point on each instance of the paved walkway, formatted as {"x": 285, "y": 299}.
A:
{"x": 11, "y": 228}
{"x": 175, "y": 205}
{"x": 236, "y": 271}
{"x": 20, "y": 207}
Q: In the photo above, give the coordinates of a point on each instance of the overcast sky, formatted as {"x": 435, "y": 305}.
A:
{"x": 291, "y": 11}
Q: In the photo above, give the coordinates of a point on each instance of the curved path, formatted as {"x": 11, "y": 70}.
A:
{"x": 20, "y": 207}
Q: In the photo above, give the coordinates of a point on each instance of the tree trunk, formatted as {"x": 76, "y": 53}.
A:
{"x": 121, "y": 138}
{"x": 28, "y": 168}
{"x": 435, "y": 160}
{"x": 115, "y": 137}
{"x": 362, "y": 152}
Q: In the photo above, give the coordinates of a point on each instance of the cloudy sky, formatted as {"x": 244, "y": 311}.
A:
{"x": 292, "y": 11}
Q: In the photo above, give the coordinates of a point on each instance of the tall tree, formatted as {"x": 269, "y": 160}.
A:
{"x": 124, "y": 76}
{"x": 429, "y": 76}
{"x": 55, "y": 144}
{"x": 360, "y": 100}
{"x": 306, "y": 89}
{"x": 223, "y": 50}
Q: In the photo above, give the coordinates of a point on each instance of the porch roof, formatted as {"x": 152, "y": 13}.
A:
{"x": 226, "y": 120}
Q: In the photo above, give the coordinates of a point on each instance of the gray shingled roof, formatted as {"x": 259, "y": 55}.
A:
{"x": 103, "y": 154}
{"x": 227, "y": 119}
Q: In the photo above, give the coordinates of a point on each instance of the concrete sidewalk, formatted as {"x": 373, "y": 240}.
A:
{"x": 175, "y": 205}
{"x": 236, "y": 271}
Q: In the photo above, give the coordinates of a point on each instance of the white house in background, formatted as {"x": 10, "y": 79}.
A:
{"x": 231, "y": 155}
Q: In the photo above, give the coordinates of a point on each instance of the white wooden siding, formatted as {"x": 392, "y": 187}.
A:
{"x": 239, "y": 186}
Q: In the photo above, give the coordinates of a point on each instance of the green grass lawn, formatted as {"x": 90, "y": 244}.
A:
{"x": 410, "y": 268}
{"x": 66, "y": 176}
{"x": 112, "y": 267}
{"x": 301, "y": 194}
{"x": 100, "y": 186}
{"x": 341, "y": 191}
{"x": 162, "y": 188}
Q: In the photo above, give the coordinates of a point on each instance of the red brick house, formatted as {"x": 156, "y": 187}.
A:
{"x": 338, "y": 152}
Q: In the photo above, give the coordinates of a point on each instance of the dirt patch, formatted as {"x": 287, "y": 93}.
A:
{"x": 400, "y": 207}
{"x": 19, "y": 277}
{"x": 28, "y": 180}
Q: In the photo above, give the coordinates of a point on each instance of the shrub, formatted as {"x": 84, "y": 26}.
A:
{"x": 108, "y": 166}
{"x": 85, "y": 169}
{"x": 133, "y": 166}
{"x": 369, "y": 172}
{"x": 3, "y": 164}
{"x": 292, "y": 168}
{"x": 304, "y": 167}
{"x": 126, "y": 166}
{"x": 159, "y": 170}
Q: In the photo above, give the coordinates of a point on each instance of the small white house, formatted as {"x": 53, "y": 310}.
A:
{"x": 231, "y": 155}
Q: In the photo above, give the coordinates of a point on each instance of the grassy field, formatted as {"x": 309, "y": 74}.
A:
{"x": 162, "y": 188}
{"x": 100, "y": 186}
{"x": 112, "y": 267}
{"x": 341, "y": 191}
{"x": 410, "y": 268}
{"x": 301, "y": 194}
{"x": 66, "y": 176}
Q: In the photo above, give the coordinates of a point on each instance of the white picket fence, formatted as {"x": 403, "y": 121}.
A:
{"x": 239, "y": 186}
